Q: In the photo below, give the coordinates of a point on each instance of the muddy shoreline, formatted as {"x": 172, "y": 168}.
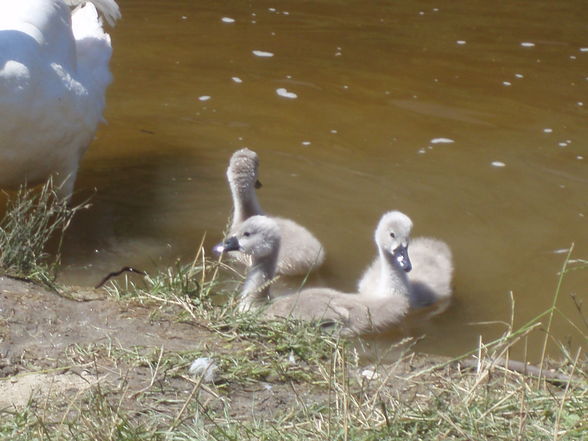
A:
{"x": 39, "y": 328}
{"x": 83, "y": 351}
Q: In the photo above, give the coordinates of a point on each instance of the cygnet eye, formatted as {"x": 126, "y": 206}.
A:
{"x": 246, "y": 234}
{"x": 393, "y": 236}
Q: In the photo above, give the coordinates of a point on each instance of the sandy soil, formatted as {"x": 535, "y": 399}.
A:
{"x": 37, "y": 327}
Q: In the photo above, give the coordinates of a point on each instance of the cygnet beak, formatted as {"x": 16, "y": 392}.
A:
{"x": 401, "y": 256}
{"x": 231, "y": 244}
{"x": 258, "y": 184}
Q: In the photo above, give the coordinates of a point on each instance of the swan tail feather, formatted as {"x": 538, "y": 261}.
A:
{"x": 108, "y": 8}
{"x": 93, "y": 54}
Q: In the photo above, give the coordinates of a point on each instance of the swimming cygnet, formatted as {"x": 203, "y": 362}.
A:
{"x": 259, "y": 237}
{"x": 300, "y": 251}
{"x": 429, "y": 280}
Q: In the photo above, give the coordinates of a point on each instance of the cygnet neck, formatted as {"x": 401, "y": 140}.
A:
{"x": 256, "y": 288}
{"x": 245, "y": 203}
{"x": 393, "y": 279}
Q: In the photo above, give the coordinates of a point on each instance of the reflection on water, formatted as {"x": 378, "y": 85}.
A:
{"x": 469, "y": 118}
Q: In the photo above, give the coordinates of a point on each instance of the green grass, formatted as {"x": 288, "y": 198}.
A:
{"x": 444, "y": 404}
{"x": 32, "y": 219}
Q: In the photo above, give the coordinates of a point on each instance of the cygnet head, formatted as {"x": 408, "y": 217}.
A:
{"x": 258, "y": 237}
{"x": 242, "y": 171}
{"x": 392, "y": 236}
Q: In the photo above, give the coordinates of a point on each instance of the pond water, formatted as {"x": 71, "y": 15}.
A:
{"x": 471, "y": 117}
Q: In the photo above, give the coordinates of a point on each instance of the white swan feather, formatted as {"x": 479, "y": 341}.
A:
{"x": 54, "y": 71}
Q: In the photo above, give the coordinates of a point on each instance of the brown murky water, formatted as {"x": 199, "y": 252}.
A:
{"x": 349, "y": 115}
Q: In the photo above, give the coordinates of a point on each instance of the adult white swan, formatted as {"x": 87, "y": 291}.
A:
{"x": 53, "y": 77}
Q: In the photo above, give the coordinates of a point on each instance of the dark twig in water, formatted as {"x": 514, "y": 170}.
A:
{"x": 126, "y": 269}
{"x": 520, "y": 367}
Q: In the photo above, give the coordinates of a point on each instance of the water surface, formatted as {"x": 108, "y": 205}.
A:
{"x": 468, "y": 116}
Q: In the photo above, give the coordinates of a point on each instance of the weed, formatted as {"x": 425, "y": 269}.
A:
{"x": 31, "y": 220}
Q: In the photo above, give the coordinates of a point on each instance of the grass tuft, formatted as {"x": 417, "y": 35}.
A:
{"x": 32, "y": 219}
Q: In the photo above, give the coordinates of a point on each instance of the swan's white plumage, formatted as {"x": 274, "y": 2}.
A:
{"x": 108, "y": 8}
{"x": 53, "y": 77}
